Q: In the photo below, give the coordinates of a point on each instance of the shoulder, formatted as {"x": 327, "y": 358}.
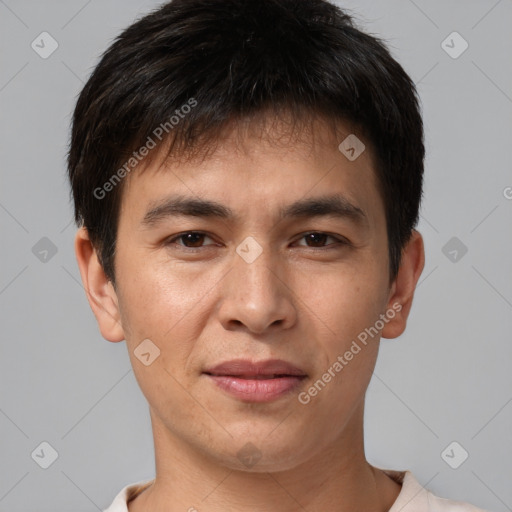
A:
{"x": 126, "y": 494}
{"x": 415, "y": 498}
{"x": 442, "y": 505}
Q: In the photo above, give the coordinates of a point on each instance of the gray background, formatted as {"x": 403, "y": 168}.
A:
{"x": 446, "y": 379}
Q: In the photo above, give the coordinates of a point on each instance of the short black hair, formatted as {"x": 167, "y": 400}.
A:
{"x": 192, "y": 67}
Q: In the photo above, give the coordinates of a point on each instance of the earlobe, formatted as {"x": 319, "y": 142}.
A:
{"x": 100, "y": 292}
{"x": 402, "y": 290}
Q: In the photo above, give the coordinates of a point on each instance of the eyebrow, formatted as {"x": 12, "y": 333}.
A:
{"x": 336, "y": 206}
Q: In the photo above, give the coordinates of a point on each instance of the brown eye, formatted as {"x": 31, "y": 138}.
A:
{"x": 191, "y": 240}
{"x": 319, "y": 240}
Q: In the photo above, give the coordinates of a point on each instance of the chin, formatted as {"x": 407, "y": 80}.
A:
{"x": 263, "y": 463}
{"x": 263, "y": 451}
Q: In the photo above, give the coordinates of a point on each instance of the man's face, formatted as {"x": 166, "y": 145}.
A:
{"x": 304, "y": 299}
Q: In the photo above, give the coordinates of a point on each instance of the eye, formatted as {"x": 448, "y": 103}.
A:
{"x": 190, "y": 239}
{"x": 318, "y": 239}
{"x": 196, "y": 239}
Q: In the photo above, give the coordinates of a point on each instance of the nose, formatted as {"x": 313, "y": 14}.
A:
{"x": 257, "y": 296}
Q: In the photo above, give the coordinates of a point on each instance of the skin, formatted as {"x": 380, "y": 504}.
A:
{"x": 302, "y": 301}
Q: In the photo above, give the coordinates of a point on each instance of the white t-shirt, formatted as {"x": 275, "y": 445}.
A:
{"x": 412, "y": 498}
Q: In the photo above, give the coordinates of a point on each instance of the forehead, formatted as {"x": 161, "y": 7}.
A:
{"x": 281, "y": 133}
{"x": 265, "y": 158}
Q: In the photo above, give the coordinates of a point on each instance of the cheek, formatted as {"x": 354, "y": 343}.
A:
{"x": 168, "y": 304}
{"x": 158, "y": 296}
{"x": 157, "y": 306}
{"x": 346, "y": 354}
{"x": 345, "y": 307}
{"x": 345, "y": 302}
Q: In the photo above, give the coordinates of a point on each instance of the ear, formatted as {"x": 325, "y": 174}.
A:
{"x": 404, "y": 285}
{"x": 100, "y": 292}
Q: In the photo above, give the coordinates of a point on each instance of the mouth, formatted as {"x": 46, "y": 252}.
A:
{"x": 253, "y": 376}
{"x": 262, "y": 381}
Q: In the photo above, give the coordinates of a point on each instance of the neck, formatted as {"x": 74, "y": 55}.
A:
{"x": 336, "y": 478}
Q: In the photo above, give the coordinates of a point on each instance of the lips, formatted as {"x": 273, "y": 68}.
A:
{"x": 245, "y": 369}
{"x": 261, "y": 381}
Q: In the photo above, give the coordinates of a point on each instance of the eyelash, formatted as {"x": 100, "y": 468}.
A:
{"x": 339, "y": 240}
